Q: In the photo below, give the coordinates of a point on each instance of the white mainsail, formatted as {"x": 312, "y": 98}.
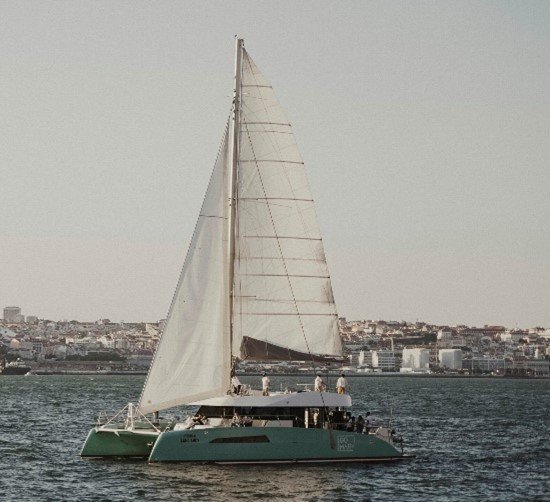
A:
{"x": 189, "y": 362}
{"x": 282, "y": 288}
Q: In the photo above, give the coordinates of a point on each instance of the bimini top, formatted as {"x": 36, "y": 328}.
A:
{"x": 281, "y": 400}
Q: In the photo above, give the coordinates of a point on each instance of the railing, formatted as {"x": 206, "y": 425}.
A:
{"x": 132, "y": 412}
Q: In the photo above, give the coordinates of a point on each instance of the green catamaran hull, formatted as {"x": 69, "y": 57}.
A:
{"x": 270, "y": 445}
{"x": 118, "y": 443}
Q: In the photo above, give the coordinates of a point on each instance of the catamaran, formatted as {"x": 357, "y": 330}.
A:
{"x": 254, "y": 285}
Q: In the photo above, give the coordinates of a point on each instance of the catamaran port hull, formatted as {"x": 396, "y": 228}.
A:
{"x": 270, "y": 445}
{"x": 118, "y": 443}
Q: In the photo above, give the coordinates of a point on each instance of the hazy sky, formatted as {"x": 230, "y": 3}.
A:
{"x": 425, "y": 127}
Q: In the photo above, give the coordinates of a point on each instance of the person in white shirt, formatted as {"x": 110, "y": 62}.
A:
{"x": 319, "y": 384}
{"x": 265, "y": 385}
{"x": 368, "y": 423}
{"x": 341, "y": 384}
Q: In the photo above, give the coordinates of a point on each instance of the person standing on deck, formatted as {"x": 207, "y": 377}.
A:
{"x": 236, "y": 384}
{"x": 319, "y": 384}
{"x": 360, "y": 424}
{"x": 316, "y": 418}
{"x": 265, "y": 385}
{"x": 341, "y": 384}
{"x": 368, "y": 423}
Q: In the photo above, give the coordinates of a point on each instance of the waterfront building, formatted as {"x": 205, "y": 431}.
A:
{"x": 383, "y": 360}
{"x": 354, "y": 359}
{"x": 534, "y": 366}
{"x": 365, "y": 358}
{"x": 486, "y": 364}
{"x": 11, "y": 314}
{"x": 415, "y": 360}
{"x": 538, "y": 366}
{"x": 450, "y": 359}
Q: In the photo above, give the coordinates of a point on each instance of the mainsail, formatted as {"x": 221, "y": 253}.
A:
{"x": 189, "y": 362}
{"x": 282, "y": 289}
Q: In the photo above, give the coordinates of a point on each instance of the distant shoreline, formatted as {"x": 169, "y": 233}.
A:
{"x": 398, "y": 375}
{"x": 304, "y": 374}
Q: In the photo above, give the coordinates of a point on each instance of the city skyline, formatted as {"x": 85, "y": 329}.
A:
{"x": 425, "y": 144}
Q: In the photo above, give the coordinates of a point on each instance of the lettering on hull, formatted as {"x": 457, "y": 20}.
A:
{"x": 346, "y": 443}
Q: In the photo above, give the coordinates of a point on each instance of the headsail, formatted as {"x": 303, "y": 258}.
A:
{"x": 282, "y": 290}
{"x": 189, "y": 363}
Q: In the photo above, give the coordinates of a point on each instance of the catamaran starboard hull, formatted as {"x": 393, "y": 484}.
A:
{"x": 270, "y": 445}
{"x": 118, "y": 443}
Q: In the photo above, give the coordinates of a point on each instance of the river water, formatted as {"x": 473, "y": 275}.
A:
{"x": 475, "y": 439}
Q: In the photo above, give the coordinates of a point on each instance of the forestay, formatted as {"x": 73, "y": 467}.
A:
{"x": 189, "y": 362}
{"x": 282, "y": 289}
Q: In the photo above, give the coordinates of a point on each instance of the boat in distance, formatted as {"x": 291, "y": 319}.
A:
{"x": 254, "y": 285}
{"x": 15, "y": 368}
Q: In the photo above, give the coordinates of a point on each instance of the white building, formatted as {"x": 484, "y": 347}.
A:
{"x": 450, "y": 359}
{"x": 383, "y": 360}
{"x": 365, "y": 358}
{"x": 415, "y": 360}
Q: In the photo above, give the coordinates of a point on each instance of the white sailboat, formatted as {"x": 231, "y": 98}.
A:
{"x": 254, "y": 285}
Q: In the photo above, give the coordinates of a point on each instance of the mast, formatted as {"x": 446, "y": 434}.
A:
{"x": 239, "y": 44}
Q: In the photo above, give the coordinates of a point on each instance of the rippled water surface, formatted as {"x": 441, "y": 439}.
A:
{"x": 474, "y": 439}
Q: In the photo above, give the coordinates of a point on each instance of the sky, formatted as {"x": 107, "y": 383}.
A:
{"x": 424, "y": 126}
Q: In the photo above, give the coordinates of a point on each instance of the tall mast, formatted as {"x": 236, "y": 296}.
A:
{"x": 239, "y": 43}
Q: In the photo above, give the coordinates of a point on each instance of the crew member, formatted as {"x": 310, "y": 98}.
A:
{"x": 341, "y": 384}
{"x": 236, "y": 384}
{"x": 265, "y": 385}
{"x": 360, "y": 424}
{"x": 368, "y": 423}
{"x": 319, "y": 384}
{"x": 237, "y": 420}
